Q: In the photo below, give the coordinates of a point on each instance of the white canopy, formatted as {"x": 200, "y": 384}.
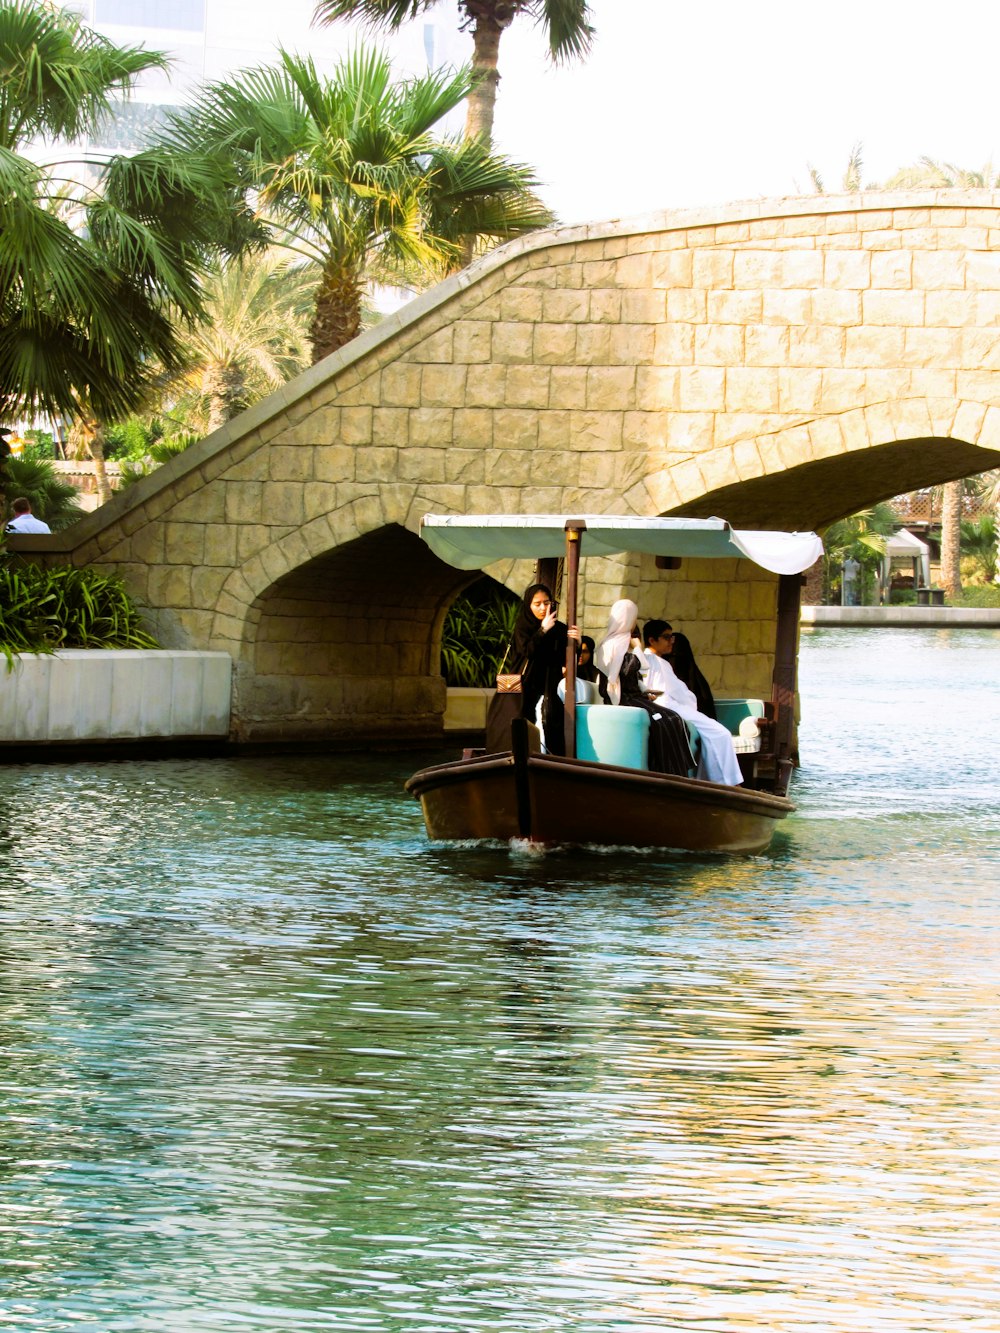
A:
{"x": 469, "y": 541}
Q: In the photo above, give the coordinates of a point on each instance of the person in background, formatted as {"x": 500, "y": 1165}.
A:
{"x": 538, "y": 651}
{"x": 717, "y": 761}
{"x": 586, "y": 667}
{"x": 620, "y": 656}
{"x": 24, "y": 520}
{"x": 686, "y": 669}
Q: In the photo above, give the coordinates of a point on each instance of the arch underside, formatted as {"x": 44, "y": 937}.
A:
{"x": 347, "y": 645}
{"x": 816, "y": 494}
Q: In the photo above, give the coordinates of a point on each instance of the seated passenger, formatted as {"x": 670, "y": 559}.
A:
{"x": 586, "y": 668}
{"x": 686, "y": 670}
{"x": 620, "y": 656}
{"x": 717, "y": 761}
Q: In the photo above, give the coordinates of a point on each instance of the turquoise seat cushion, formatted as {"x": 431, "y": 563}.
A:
{"x": 608, "y": 734}
{"x": 731, "y": 712}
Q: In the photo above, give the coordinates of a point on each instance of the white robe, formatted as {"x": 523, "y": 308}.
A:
{"x": 717, "y": 762}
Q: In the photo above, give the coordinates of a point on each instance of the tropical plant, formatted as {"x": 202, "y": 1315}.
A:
{"x": 52, "y": 500}
{"x": 42, "y": 609}
{"x": 566, "y": 24}
{"x": 93, "y": 253}
{"x": 979, "y": 548}
{"x": 476, "y": 633}
{"x": 861, "y": 537}
{"x": 345, "y": 172}
{"x": 160, "y": 451}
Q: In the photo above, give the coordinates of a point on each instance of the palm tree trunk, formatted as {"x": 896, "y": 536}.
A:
{"x": 485, "y": 55}
{"x": 338, "y": 311}
{"x": 225, "y": 389}
{"x": 951, "y": 539}
{"x": 86, "y": 439}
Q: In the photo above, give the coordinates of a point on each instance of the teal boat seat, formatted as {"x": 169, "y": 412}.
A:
{"x": 608, "y": 734}
{"x": 731, "y": 712}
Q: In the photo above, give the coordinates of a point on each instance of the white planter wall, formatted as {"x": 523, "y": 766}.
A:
{"x": 91, "y": 695}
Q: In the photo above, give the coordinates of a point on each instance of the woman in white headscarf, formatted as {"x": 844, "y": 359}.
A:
{"x": 620, "y": 657}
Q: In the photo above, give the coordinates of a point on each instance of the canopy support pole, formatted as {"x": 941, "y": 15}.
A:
{"x": 574, "y": 528}
{"x": 786, "y": 642}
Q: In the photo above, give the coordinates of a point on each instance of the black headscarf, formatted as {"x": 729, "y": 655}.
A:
{"x": 526, "y": 627}
{"x": 540, "y": 659}
{"x": 686, "y": 669}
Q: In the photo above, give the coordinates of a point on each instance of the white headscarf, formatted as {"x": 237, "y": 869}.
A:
{"x": 612, "y": 649}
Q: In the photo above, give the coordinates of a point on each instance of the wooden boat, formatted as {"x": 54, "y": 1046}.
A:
{"x": 551, "y": 799}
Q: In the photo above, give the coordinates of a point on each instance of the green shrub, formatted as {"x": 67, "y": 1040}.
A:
{"x": 476, "y": 633}
{"x": 987, "y": 595}
{"x": 61, "y": 607}
{"x": 53, "y": 500}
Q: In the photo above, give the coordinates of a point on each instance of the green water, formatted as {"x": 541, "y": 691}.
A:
{"x": 269, "y": 1061}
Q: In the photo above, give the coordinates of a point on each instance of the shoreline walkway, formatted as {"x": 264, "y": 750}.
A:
{"x": 937, "y": 617}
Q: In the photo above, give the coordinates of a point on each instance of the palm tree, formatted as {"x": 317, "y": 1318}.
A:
{"x": 861, "y": 537}
{"x": 92, "y": 253}
{"x": 52, "y": 500}
{"x": 255, "y": 335}
{"x": 346, "y": 173}
{"x": 566, "y": 24}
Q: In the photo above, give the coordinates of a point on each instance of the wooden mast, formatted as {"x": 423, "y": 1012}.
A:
{"x": 786, "y": 642}
{"x": 574, "y": 528}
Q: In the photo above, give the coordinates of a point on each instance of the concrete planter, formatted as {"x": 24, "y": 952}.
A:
{"x": 466, "y": 708}
{"x": 89, "y": 696}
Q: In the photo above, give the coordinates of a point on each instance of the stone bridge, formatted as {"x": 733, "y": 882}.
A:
{"x": 778, "y": 363}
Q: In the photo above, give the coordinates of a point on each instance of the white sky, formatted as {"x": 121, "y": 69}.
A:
{"x": 684, "y": 103}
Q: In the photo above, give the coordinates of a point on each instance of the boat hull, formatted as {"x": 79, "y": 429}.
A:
{"x": 554, "y": 800}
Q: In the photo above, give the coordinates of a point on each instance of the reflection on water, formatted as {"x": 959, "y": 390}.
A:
{"x": 269, "y": 1061}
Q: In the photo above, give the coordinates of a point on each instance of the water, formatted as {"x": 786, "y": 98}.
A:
{"x": 270, "y": 1062}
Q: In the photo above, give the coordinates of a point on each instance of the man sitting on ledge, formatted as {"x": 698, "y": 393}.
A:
{"x": 24, "y": 520}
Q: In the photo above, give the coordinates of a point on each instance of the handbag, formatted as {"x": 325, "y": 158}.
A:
{"x": 509, "y": 682}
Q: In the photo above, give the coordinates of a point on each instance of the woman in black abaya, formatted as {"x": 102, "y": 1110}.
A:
{"x": 685, "y": 668}
{"x": 538, "y": 651}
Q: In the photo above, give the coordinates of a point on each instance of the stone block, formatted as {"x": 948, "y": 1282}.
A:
{"x": 950, "y": 309}
{"x": 605, "y": 307}
{"x": 631, "y": 344}
{"x": 376, "y": 463}
{"x": 486, "y": 386}
{"x": 287, "y": 463}
{"x": 887, "y": 239}
{"x": 735, "y": 307}
{"x": 932, "y": 347}
{"x": 220, "y": 545}
{"x": 522, "y": 305}
{"x": 718, "y": 345}
{"x": 766, "y": 345}
{"x": 438, "y": 346}
{"x": 673, "y": 268}
{"x": 554, "y": 430}
{"x": 674, "y": 345}
{"x": 244, "y": 501}
{"x": 528, "y": 386}
{"x": 687, "y": 306}
{"x": 900, "y": 309}
{"x": 657, "y": 389}
{"x": 816, "y": 345}
{"x": 183, "y": 543}
{"x": 787, "y": 307}
{"x": 390, "y": 426}
{"x": 702, "y": 388}
{"x": 401, "y": 385}
{"x": 938, "y": 270}
{"x": 799, "y": 390}
{"x": 610, "y": 388}
{"x": 596, "y": 430}
{"x": 757, "y": 270}
{"x": 334, "y": 462}
{"x": 874, "y": 346}
{"x": 968, "y": 422}
{"x": 751, "y": 389}
{"x": 431, "y": 426}
{"x": 838, "y": 308}
{"x": 515, "y": 428}
{"x": 747, "y": 460}
{"x": 512, "y": 344}
{"x": 420, "y": 464}
{"x": 980, "y": 348}
{"x": 555, "y": 344}
{"x": 689, "y": 432}
{"x": 356, "y": 425}
{"x": 847, "y": 269}
{"x": 464, "y": 466}
{"x": 170, "y": 585}
{"x": 800, "y": 269}
{"x": 593, "y": 344}
{"x": 988, "y": 309}
{"x": 644, "y": 307}
{"x": 565, "y": 307}
{"x": 568, "y": 387}
{"x": 443, "y": 386}
{"x": 473, "y": 427}
{"x": 713, "y": 269}
{"x": 147, "y": 545}
{"x": 892, "y": 269}
{"x": 473, "y": 341}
